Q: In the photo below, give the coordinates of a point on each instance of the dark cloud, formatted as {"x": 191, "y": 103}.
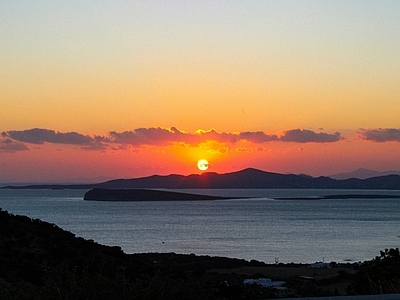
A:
{"x": 309, "y": 136}
{"x": 381, "y": 135}
{"x": 156, "y": 136}
{"x": 41, "y": 136}
{"x": 8, "y": 145}
{"x": 96, "y": 147}
{"x": 257, "y": 137}
{"x": 162, "y": 136}
{"x": 213, "y": 135}
{"x": 165, "y": 136}
{"x": 149, "y": 136}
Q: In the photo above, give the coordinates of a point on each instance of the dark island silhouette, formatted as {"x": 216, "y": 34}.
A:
{"x": 245, "y": 179}
{"x": 343, "y": 196}
{"x": 99, "y": 194}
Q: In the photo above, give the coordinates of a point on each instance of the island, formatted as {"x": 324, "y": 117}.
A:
{"x": 342, "y": 196}
{"x": 100, "y": 194}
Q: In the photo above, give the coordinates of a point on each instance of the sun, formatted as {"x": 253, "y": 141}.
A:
{"x": 202, "y": 164}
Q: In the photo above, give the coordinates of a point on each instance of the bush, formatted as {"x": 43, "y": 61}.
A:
{"x": 378, "y": 276}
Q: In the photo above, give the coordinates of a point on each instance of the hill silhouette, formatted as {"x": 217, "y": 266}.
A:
{"x": 362, "y": 173}
{"x": 245, "y": 179}
{"x": 39, "y": 260}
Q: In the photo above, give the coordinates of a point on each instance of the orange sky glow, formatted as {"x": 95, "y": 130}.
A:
{"x": 94, "y": 91}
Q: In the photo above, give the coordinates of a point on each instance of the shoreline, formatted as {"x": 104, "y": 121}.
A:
{"x": 47, "y": 247}
{"x": 341, "y": 196}
{"x": 101, "y": 194}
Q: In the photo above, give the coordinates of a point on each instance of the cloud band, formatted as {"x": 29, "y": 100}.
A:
{"x": 381, "y": 135}
{"x": 12, "y": 140}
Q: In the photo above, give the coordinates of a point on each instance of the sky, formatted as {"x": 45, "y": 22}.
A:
{"x": 93, "y": 90}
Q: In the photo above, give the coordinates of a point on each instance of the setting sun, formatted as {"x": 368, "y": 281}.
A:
{"x": 202, "y": 164}
{"x": 236, "y": 104}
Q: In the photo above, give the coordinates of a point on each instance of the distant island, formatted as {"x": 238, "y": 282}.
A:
{"x": 245, "y": 179}
{"x": 99, "y": 194}
{"x": 342, "y": 196}
{"x": 143, "y": 195}
{"x": 362, "y": 173}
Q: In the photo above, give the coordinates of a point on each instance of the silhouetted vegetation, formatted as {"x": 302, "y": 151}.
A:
{"x": 39, "y": 260}
{"x": 378, "y": 276}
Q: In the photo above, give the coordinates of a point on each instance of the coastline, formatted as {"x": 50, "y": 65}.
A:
{"x": 99, "y": 194}
{"x": 102, "y": 194}
{"x": 342, "y": 196}
{"x": 51, "y": 253}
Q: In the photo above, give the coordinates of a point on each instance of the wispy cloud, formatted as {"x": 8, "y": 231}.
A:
{"x": 157, "y": 136}
{"x": 381, "y": 135}
{"x": 8, "y": 145}
{"x": 257, "y": 137}
{"x": 149, "y": 136}
{"x": 213, "y": 135}
{"x": 308, "y": 136}
{"x": 41, "y": 136}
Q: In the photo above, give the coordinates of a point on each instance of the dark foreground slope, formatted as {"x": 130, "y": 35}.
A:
{"x": 39, "y": 260}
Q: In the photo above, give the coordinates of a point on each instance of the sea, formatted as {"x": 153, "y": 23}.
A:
{"x": 262, "y": 227}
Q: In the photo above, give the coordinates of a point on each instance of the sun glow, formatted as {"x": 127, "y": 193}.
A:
{"x": 202, "y": 164}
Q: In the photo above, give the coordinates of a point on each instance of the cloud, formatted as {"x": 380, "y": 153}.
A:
{"x": 244, "y": 149}
{"x": 167, "y": 136}
{"x": 213, "y": 135}
{"x": 96, "y": 147}
{"x": 8, "y": 145}
{"x": 149, "y": 136}
{"x": 257, "y": 137}
{"x": 157, "y": 136}
{"x": 40, "y": 136}
{"x": 381, "y": 135}
{"x": 223, "y": 150}
{"x": 308, "y": 136}
{"x": 164, "y": 136}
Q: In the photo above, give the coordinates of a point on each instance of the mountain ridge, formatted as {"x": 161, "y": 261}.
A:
{"x": 362, "y": 173}
{"x": 249, "y": 178}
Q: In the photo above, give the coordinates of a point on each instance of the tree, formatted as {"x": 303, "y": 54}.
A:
{"x": 378, "y": 276}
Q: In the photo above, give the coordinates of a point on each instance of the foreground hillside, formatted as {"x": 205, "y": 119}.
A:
{"x": 39, "y": 260}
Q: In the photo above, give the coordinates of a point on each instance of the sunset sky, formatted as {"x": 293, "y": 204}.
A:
{"x": 123, "y": 89}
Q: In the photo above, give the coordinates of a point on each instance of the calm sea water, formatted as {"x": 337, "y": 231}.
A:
{"x": 260, "y": 228}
